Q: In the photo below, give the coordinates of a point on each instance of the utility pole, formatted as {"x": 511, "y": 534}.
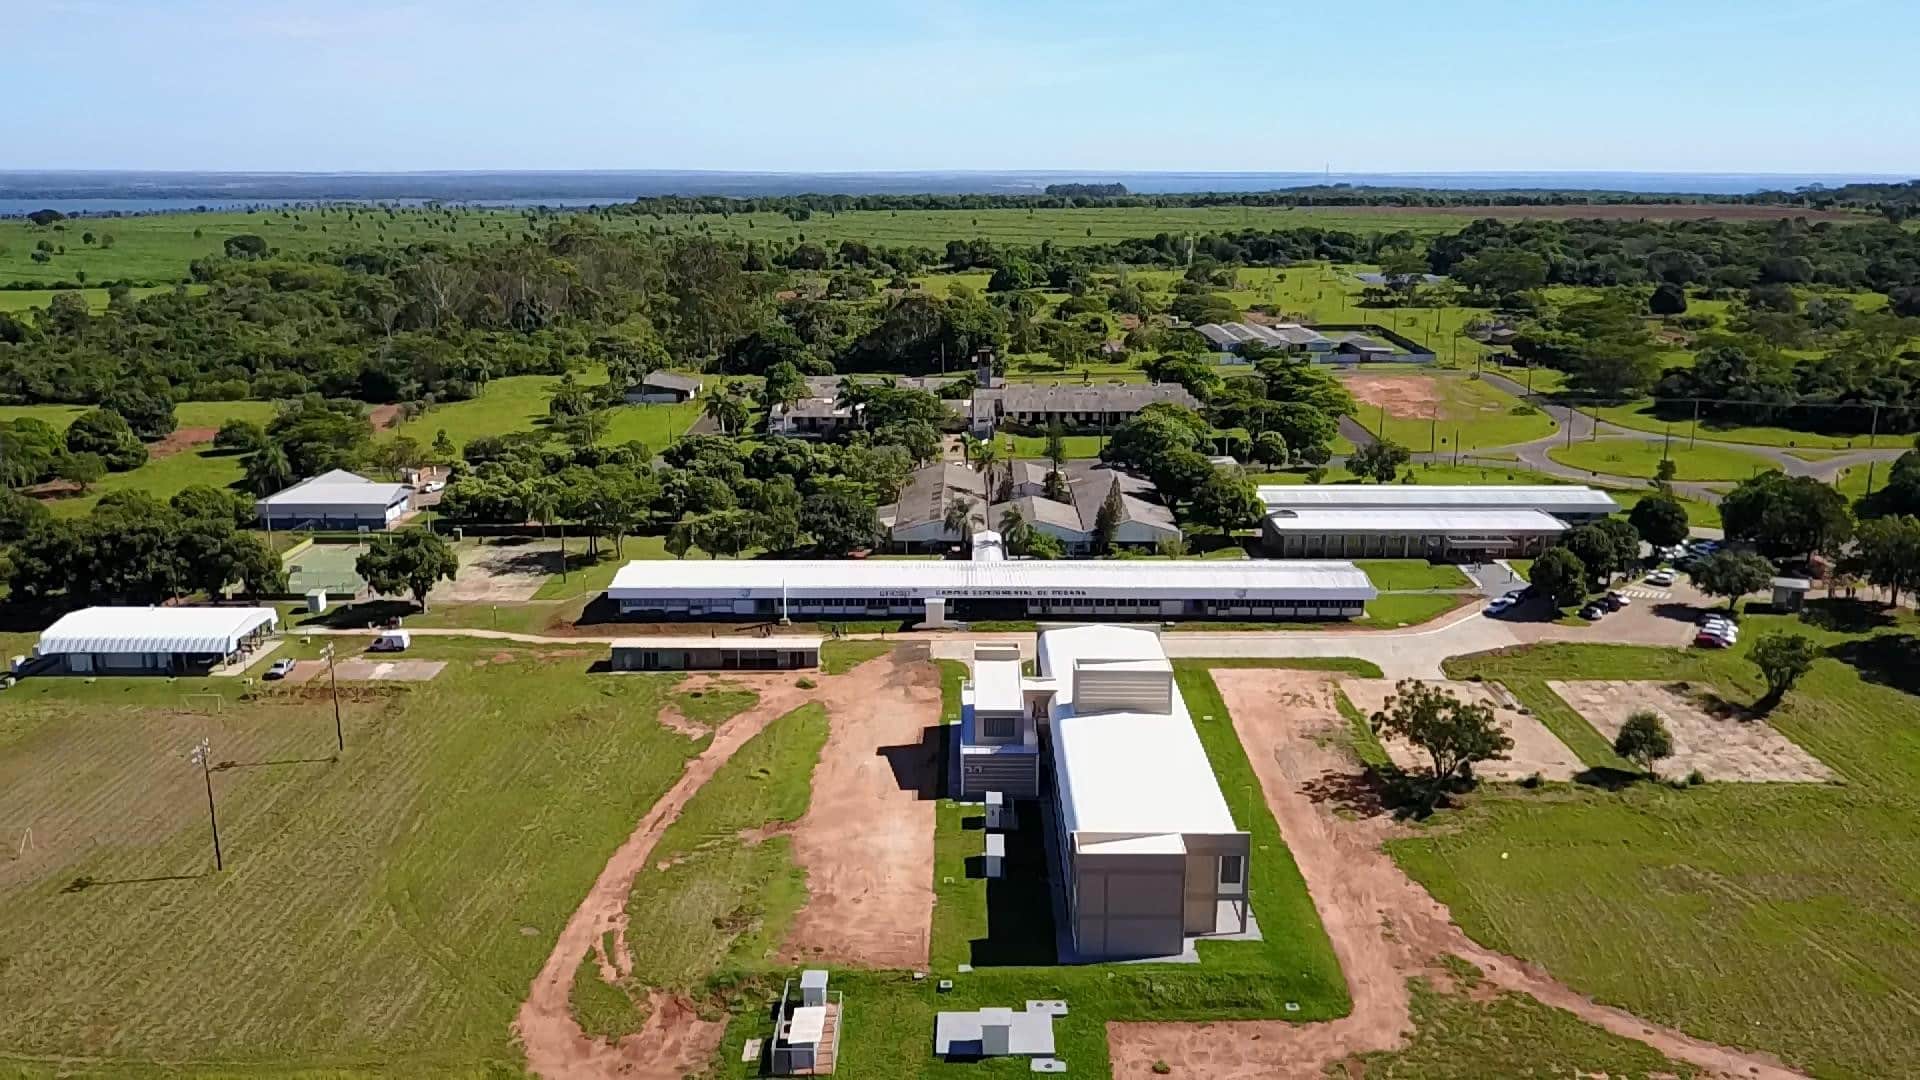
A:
{"x": 339, "y": 737}
{"x": 1870, "y": 464}
{"x": 1874, "y": 432}
{"x": 1433, "y": 432}
{"x": 1666, "y": 450}
{"x": 202, "y": 756}
{"x": 1693, "y": 433}
{"x": 1382, "y": 432}
{"x": 1529, "y": 380}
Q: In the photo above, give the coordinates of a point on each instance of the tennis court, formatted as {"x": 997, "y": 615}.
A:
{"x": 325, "y": 566}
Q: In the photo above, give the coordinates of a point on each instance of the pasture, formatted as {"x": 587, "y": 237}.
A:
{"x": 391, "y": 906}
{"x": 519, "y": 403}
{"x": 1778, "y": 916}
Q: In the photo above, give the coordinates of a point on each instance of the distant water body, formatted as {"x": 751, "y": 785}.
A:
{"x": 146, "y": 193}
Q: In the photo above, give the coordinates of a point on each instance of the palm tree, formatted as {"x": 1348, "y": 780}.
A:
{"x": 268, "y": 470}
{"x": 986, "y": 461}
{"x": 1013, "y": 529}
{"x": 959, "y": 517}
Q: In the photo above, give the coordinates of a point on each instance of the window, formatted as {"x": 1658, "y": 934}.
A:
{"x": 1230, "y": 869}
{"x": 998, "y": 726}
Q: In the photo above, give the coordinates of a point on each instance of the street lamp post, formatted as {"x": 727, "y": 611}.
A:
{"x": 202, "y": 755}
{"x": 333, "y": 684}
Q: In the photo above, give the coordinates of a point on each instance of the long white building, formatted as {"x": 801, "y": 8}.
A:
{"x": 1114, "y": 589}
{"x": 1417, "y": 521}
{"x": 152, "y": 640}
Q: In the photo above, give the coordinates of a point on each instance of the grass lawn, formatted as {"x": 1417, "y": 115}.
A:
{"x": 60, "y": 417}
{"x": 391, "y": 907}
{"x": 1777, "y": 916}
{"x": 1523, "y": 567}
{"x": 840, "y": 657}
{"x": 1035, "y": 446}
{"x": 1412, "y": 574}
{"x": 1406, "y": 609}
{"x": 1468, "y": 409}
{"x": 1640, "y": 458}
{"x": 1641, "y": 416}
{"x": 30, "y": 299}
{"x": 161, "y": 478}
{"x": 519, "y": 403}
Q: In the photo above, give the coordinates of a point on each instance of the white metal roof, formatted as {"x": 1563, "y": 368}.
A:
{"x": 736, "y": 641}
{"x": 1013, "y": 578}
{"x": 1127, "y": 773}
{"x": 338, "y": 488}
{"x": 996, "y": 683}
{"x": 1381, "y": 520}
{"x": 187, "y": 630}
{"x": 1568, "y": 498}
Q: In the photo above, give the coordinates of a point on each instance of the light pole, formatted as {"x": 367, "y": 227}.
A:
{"x": 339, "y": 737}
{"x": 202, "y": 755}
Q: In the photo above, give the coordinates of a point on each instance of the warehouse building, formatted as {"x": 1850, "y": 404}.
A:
{"x": 1146, "y": 850}
{"x": 336, "y": 500}
{"x": 715, "y": 654}
{"x": 1571, "y": 503}
{"x": 935, "y": 590}
{"x": 152, "y": 640}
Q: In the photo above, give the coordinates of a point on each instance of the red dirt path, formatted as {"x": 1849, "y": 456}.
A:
{"x": 181, "y": 440}
{"x": 1384, "y": 927}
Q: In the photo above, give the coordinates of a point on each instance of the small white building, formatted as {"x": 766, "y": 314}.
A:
{"x": 1438, "y": 535}
{"x": 1148, "y": 854}
{"x": 1000, "y": 715}
{"x": 152, "y": 640}
{"x": 336, "y": 500}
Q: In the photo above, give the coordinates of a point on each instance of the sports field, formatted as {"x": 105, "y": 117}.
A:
{"x": 1442, "y": 412}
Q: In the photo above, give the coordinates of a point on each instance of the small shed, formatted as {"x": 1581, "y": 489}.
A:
{"x": 806, "y": 1035}
{"x": 1790, "y": 593}
{"x": 664, "y": 388}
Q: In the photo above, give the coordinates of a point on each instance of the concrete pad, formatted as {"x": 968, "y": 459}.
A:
{"x": 1721, "y": 749}
{"x": 1535, "y": 749}
{"x": 386, "y": 670}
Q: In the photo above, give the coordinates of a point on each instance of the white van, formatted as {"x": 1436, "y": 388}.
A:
{"x": 391, "y": 641}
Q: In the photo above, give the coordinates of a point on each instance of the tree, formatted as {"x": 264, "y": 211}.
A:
{"x": 1560, "y": 576}
{"x": 204, "y": 502}
{"x": 1732, "y": 574}
{"x": 19, "y": 514}
{"x": 841, "y": 520}
{"x": 240, "y": 436}
{"x": 83, "y": 469}
{"x": 1782, "y": 659}
{"x": 148, "y": 411}
{"x": 267, "y": 470}
{"x": 1660, "y": 519}
{"x": 1886, "y": 551}
{"x": 245, "y": 246}
{"x": 958, "y": 519}
{"x": 1786, "y": 515}
{"x": 1179, "y": 474}
{"x": 105, "y": 433}
{"x": 410, "y": 560}
{"x": 1270, "y": 448}
{"x": 986, "y": 457}
{"x": 727, "y": 409}
{"x": 1668, "y": 299}
{"x": 1113, "y": 510}
{"x": 1228, "y": 501}
{"x": 1056, "y": 446}
{"x": 1380, "y": 460}
{"x": 1644, "y": 740}
{"x": 1602, "y": 548}
{"x": 1454, "y": 734}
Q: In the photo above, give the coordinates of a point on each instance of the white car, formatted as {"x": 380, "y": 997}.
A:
{"x": 1661, "y": 578}
{"x": 280, "y": 669}
{"x": 1501, "y": 603}
{"x": 432, "y": 486}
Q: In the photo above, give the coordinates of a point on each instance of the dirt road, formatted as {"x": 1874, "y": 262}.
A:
{"x": 1384, "y": 927}
{"x": 674, "y": 1040}
{"x": 866, "y": 841}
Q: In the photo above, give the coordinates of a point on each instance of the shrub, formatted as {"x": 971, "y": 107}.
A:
{"x": 805, "y": 683}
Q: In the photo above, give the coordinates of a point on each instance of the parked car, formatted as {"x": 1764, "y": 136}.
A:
{"x": 432, "y": 486}
{"x": 1593, "y": 612}
{"x": 1661, "y": 578}
{"x": 1501, "y": 603}
{"x": 391, "y": 641}
{"x": 1706, "y": 639}
{"x": 1618, "y": 599}
{"x": 280, "y": 669}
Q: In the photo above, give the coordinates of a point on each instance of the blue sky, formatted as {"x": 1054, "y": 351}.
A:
{"x": 1385, "y": 85}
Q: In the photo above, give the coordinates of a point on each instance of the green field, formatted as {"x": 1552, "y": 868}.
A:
{"x": 30, "y": 299}
{"x": 1641, "y": 458}
{"x": 1389, "y": 574}
{"x": 1467, "y": 413}
{"x": 519, "y": 403}
{"x": 384, "y": 913}
{"x": 1641, "y": 417}
{"x": 1777, "y": 916}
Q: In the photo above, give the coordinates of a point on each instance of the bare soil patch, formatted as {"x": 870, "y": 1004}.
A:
{"x": 383, "y": 417}
{"x": 674, "y": 1041}
{"x": 1384, "y": 927}
{"x": 673, "y": 720}
{"x": 181, "y": 440}
{"x": 1413, "y": 397}
{"x": 866, "y": 841}
{"x": 1720, "y": 748}
{"x": 509, "y": 570}
{"x": 1617, "y": 212}
{"x": 1535, "y": 749}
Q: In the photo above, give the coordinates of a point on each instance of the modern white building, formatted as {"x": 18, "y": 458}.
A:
{"x": 152, "y": 640}
{"x": 1571, "y": 503}
{"x": 1000, "y": 717}
{"x": 1146, "y": 849}
{"x": 1439, "y": 535}
{"x": 1110, "y": 589}
{"x": 336, "y": 500}
{"x": 1447, "y": 523}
